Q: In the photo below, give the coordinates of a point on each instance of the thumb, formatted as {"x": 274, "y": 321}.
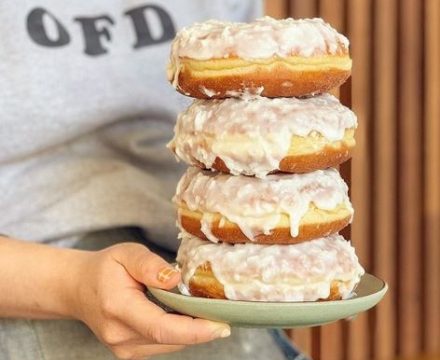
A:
{"x": 146, "y": 267}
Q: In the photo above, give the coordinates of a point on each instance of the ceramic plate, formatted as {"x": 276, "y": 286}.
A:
{"x": 275, "y": 314}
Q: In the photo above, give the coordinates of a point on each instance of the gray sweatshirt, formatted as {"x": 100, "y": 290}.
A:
{"x": 86, "y": 111}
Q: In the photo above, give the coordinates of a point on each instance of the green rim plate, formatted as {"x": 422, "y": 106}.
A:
{"x": 275, "y": 314}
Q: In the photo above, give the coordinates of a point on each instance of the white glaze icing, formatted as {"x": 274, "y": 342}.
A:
{"x": 301, "y": 272}
{"x": 208, "y": 92}
{"x": 261, "y": 127}
{"x": 263, "y": 38}
{"x": 245, "y": 94}
{"x": 257, "y": 205}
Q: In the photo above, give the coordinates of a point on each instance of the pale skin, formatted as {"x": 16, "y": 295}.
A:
{"x": 104, "y": 289}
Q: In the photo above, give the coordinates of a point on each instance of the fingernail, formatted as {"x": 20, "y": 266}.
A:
{"x": 166, "y": 273}
{"x": 222, "y": 332}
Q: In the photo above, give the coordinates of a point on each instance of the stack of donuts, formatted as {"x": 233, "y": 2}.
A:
{"x": 261, "y": 206}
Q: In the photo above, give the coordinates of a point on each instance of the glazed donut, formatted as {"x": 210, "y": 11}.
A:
{"x": 279, "y": 209}
{"x": 273, "y": 58}
{"x": 261, "y": 135}
{"x": 321, "y": 269}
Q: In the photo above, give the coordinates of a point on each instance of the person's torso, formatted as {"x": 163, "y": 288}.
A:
{"x": 86, "y": 110}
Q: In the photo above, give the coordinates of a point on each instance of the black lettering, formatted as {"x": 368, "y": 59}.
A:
{"x": 93, "y": 34}
{"x": 142, "y": 29}
{"x": 38, "y": 32}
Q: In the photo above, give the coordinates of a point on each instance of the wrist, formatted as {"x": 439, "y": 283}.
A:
{"x": 69, "y": 281}
{"x": 39, "y": 281}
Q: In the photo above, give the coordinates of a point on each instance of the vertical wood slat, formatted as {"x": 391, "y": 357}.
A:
{"x": 303, "y": 9}
{"x": 432, "y": 175}
{"x": 276, "y": 8}
{"x": 410, "y": 178}
{"x": 333, "y": 12}
{"x": 384, "y": 179}
{"x": 359, "y": 32}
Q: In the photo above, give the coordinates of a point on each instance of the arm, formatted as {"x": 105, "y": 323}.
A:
{"x": 37, "y": 281}
{"x": 104, "y": 289}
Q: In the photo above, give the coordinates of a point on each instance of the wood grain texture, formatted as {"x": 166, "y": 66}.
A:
{"x": 410, "y": 177}
{"x": 431, "y": 304}
{"x": 334, "y": 12}
{"x": 276, "y": 8}
{"x": 303, "y": 9}
{"x": 384, "y": 169}
{"x": 359, "y": 32}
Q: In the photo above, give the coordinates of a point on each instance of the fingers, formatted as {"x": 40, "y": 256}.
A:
{"x": 163, "y": 328}
{"x": 178, "y": 329}
{"x": 144, "y": 351}
{"x": 146, "y": 267}
{"x": 150, "y": 321}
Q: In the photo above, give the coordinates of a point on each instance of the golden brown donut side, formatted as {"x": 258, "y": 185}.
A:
{"x": 276, "y": 79}
{"x": 330, "y": 156}
{"x": 229, "y": 232}
{"x": 204, "y": 284}
{"x": 306, "y": 154}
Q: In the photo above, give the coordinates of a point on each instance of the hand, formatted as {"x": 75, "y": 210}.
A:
{"x": 110, "y": 300}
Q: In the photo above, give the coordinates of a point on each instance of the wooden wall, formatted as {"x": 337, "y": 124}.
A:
{"x": 394, "y": 174}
